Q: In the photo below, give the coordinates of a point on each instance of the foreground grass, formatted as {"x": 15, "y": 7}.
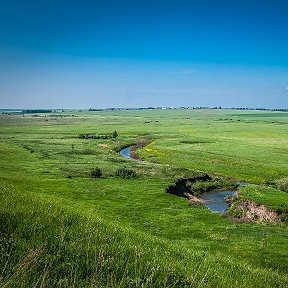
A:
{"x": 47, "y": 245}
{"x": 114, "y": 232}
{"x": 44, "y": 244}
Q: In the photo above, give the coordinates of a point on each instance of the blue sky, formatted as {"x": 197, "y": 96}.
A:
{"x": 82, "y": 54}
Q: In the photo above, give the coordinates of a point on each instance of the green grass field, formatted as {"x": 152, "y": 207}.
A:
{"x": 62, "y": 228}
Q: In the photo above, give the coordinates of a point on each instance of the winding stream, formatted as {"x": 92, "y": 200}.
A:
{"x": 214, "y": 200}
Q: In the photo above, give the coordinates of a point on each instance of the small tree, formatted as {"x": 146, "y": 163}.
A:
{"x": 96, "y": 173}
{"x": 114, "y": 134}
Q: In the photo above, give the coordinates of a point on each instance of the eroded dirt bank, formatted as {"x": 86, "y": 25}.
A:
{"x": 183, "y": 187}
{"x": 247, "y": 211}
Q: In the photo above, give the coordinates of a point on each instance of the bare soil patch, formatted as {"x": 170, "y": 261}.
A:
{"x": 248, "y": 211}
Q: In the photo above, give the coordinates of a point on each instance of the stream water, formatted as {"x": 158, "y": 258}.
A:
{"x": 125, "y": 152}
{"x": 214, "y": 200}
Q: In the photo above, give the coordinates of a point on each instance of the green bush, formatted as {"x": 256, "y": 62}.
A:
{"x": 125, "y": 173}
{"x": 114, "y": 134}
{"x": 96, "y": 173}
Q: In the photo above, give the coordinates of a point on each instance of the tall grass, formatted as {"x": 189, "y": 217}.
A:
{"x": 44, "y": 245}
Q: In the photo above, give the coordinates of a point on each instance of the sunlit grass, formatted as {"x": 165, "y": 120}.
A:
{"x": 114, "y": 232}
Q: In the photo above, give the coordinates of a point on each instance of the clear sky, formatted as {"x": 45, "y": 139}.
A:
{"x": 136, "y": 53}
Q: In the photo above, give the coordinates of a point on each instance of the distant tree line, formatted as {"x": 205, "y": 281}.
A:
{"x": 191, "y": 108}
{"x": 33, "y": 111}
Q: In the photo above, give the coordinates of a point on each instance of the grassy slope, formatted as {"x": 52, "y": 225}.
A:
{"x": 270, "y": 197}
{"x": 132, "y": 209}
{"x": 253, "y": 150}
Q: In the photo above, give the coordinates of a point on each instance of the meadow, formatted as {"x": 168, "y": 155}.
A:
{"x": 60, "y": 227}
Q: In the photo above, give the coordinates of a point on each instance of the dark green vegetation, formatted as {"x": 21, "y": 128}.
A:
{"x": 60, "y": 227}
{"x": 96, "y": 173}
{"x": 114, "y": 134}
{"x": 125, "y": 173}
{"x": 199, "y": 184}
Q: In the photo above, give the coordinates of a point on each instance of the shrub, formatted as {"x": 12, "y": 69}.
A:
{"x": 114, "y": 134}
{"x": 96, "y": 173}
{"x": 125, "y": 173}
